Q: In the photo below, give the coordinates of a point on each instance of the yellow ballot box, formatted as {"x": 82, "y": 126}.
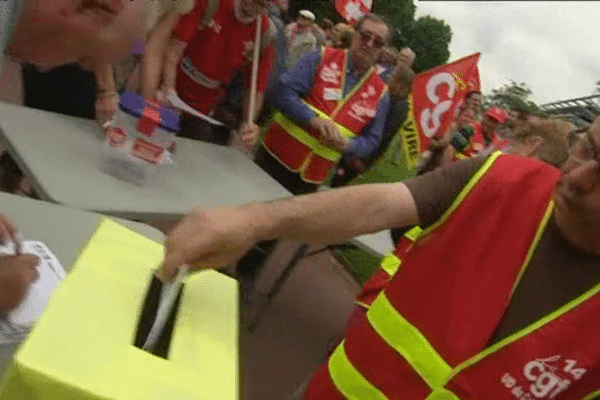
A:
{"x": 82, "y": 346}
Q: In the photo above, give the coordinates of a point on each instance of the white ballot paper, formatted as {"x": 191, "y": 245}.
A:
{"x": 15, "y": 326}
{"x": 168, "y": 296}
{"x": 180, "y": 104}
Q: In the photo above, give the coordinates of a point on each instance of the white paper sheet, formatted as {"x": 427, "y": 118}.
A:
{"x": 168, "y": 295}
{"x": 15, "y": 326}
{"x": 178, "y": 103}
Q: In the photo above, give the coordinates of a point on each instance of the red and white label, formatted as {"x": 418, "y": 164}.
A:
{"x": 545, "y": 378}
{"x": 146, "y": 151}
{"x": 116, "y": 137}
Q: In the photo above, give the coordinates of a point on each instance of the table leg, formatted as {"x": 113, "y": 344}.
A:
{"x": 298, "y": 255}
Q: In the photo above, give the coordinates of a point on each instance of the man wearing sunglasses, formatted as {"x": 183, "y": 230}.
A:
{"x": 332, "y": 102}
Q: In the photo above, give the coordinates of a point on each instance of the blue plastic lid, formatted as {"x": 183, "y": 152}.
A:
{"x": 169, "y": 118}
{"x": 134, "y": 104}
{"x": 138, "y": 47}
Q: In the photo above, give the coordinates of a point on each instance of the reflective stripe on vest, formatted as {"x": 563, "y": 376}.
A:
{"x": 308, "y": 140}
{"x": 392, "y": 262}
{"x": 592, "y": 396}
{"x": 409, "y": 342}
{"x": 414, "y": 233}
{"x": 401, "y": 335}
{"x": 354, "y": 386}
{"x": 348, "y": 380}
{"x": 461, "y": 196}
{"x": 442, "y": 394}
{"x": 459, "y": 156}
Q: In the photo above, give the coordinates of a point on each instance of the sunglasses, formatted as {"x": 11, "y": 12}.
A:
{"x": 586, "y": 149}
{"x": 367, "y": 37}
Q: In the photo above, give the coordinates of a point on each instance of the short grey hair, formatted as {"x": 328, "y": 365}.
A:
{"x": 374, "y": 18}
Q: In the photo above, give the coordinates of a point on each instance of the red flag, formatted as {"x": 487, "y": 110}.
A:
{"x": 435, "y": 96}
{"x": 352, "y": 10}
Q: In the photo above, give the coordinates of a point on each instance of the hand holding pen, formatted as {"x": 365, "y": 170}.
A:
{"x": 7, "y": 229}
{"x": 8, "y": 232}
{"x": 18, "y": 271}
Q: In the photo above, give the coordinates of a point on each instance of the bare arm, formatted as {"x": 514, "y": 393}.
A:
{"x": 155, "y": 52}
{"x": 174, "y": 53}
{"x": 105, "y": 80}
{"x": 336, "y": 215}
{"x": 218, "y": 237}
{"x": 107, "y": 98}
{"x": 249, "y": 131}
{"x": 330, "y": 134}
{"x": 16, "y": 272}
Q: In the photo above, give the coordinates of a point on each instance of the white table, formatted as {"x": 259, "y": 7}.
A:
{"x": 65, "y": 231}
{"x": 379, "y": 244}
{"x": 59, "y": 155}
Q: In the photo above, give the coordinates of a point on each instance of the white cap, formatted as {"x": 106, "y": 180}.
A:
{"x": 307, "y": 14}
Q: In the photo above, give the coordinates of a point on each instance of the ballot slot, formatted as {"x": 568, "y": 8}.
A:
{"x": 148, "y": 316}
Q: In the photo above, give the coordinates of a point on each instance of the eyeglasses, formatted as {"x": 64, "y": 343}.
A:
{"x": 367, "y": 37}
{"x": 586, "y": 149}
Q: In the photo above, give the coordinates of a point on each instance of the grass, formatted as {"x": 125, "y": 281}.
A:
{"x": 359, "y": 263}
{"x": 390, "y": 168}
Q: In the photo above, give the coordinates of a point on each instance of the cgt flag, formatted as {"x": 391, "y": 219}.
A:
{"x": 352, "y": 10}
{"x": 436, "y": 95}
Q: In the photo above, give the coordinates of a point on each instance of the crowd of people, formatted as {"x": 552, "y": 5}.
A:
{"x": 513, "y": 131}
{"x": 497, "y": 256}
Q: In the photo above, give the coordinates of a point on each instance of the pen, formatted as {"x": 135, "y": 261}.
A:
{"x": 18, "y": 241}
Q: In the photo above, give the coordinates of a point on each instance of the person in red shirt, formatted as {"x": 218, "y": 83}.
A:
{"x": 477, "y": 137}
{"x": 468, "y": 140}
{"x": 201, "y": 57}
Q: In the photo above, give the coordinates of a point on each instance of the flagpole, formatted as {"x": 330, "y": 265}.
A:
{"x": 254, "y": 79}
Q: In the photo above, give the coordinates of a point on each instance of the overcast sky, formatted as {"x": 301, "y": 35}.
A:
{"x": 553, "y": 46}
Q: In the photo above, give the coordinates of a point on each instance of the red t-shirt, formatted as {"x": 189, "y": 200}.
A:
{"x": 215, "y": 53}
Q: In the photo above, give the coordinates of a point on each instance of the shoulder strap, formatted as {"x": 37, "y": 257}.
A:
{"x": 212, "y": 6}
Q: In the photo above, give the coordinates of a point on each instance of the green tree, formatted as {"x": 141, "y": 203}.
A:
{"x": 513, "y": 96}
{"x": 400, "y": 14}
{"x": 429, "y": 38}
{"x": 321, "y": 9}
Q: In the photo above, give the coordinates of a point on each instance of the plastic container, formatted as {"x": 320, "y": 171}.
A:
{"x": 136, "y": 141}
